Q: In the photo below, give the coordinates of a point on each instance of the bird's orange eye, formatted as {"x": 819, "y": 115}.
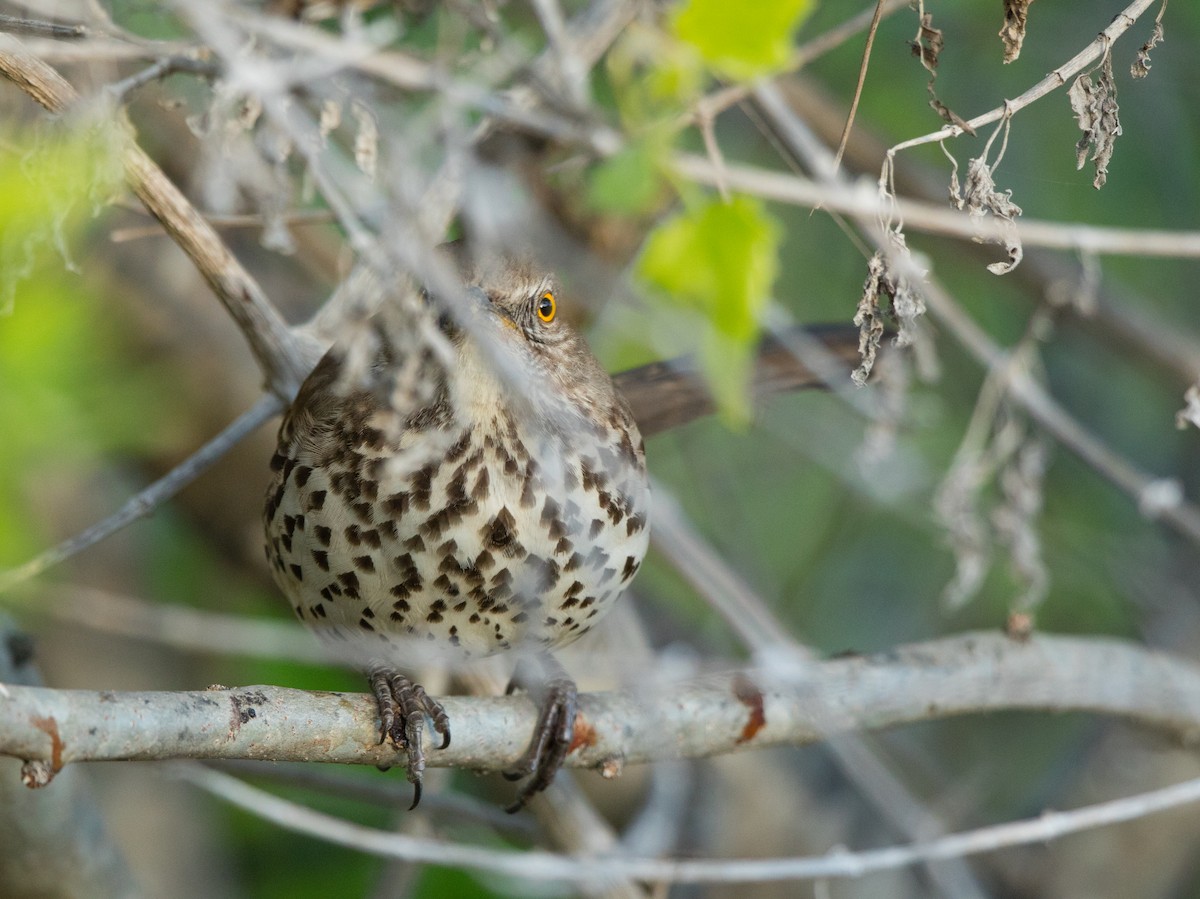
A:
{"x": 546, "y": 307}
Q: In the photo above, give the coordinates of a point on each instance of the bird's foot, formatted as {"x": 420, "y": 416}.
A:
{"x": 403, "y": 707}
{"x": 557, "y": 698}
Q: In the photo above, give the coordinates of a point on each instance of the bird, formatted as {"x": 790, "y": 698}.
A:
{"x": 477, "y": 490}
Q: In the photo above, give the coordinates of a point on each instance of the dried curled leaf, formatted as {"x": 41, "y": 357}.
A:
{"x": 980, "y": 198}
{"x": 1190, "y": 413}
{"x": 928, "y": 46}
{"x": 869, "y": 318}
{"x": 999, "y": 467}
{"x": 957, "y": 508}
{"x": 1012, "y": 33}
{"x": 1016, "y": 519}
{"x": 906, "y": 303}
{"x": 1095, "y": 107}
{"x": 1141, "y": 65}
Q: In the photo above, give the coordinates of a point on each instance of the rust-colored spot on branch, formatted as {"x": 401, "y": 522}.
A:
{"x": 751, "y": 697}
{"x": 49, "y": 727}
{"x": 585, "y": 734}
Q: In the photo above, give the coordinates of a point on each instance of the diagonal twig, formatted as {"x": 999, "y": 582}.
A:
{"x": 285, "y": 357}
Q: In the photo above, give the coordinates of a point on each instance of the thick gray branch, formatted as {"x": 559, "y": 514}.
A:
{"x": 969, "y": 673}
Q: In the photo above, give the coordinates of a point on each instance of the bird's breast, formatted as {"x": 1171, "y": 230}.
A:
{"x": 475, "y": 539}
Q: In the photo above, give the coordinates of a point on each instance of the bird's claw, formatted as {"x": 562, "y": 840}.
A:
{"x": 552, "y": 737}
{"x": 403, "y": 707}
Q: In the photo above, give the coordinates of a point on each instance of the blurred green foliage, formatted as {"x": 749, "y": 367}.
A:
{"x": 718, "y": 259}
{"x": 741, "y": 40}
{"x": 67, "y": 392}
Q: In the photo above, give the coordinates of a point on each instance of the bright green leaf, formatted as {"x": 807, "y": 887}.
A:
{"x": 741, "y": 40}
{"x": 719, "y": 260}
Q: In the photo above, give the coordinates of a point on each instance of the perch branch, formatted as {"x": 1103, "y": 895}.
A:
{"x": 970, "y": 673}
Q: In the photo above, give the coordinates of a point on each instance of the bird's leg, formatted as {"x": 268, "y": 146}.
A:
{"x": 557, "y": 698}
{"x": 403, "y": 706}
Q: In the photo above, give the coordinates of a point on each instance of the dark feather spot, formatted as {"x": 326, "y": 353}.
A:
{"x": 630, "y": 569}
{"x": 480, "y": 488}
{"x": 396, "y": 504}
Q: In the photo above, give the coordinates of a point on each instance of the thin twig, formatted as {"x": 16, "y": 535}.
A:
{"x": 300, "y": 217}
{"x": 41, "y": 28}
{"x": 539, "y": 866}
{"x": 158, "y": 70}
{"x": 1121, "y": 23}
{"x": 182, "y": 627}
{"x": 858, "y": 87}
{"x": 385, "y": 792}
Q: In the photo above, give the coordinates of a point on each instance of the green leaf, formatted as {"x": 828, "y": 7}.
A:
{"x": 741, "y": 41}
{"x": 718, "y": 260}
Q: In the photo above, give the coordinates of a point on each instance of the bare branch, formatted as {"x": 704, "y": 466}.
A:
{"x": 970, "y": 673}
{"x": 862, "y": 199}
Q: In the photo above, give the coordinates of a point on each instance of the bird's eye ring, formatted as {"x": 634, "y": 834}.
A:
{"x": 546, "y": 307}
